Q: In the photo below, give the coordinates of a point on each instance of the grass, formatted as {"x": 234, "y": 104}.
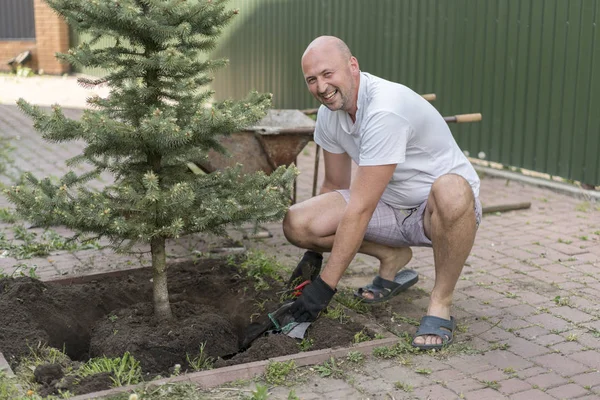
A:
{"x": 562, "y": 301}
{"x": 22, "y": 269}
{"x": 500, "y": 346}
{"x": 360, "y": 337}
{"x": 403, "y": 386}
{"x": 330, "y": 369}
{"x": 306, "y": 344}
{"x": 403, "y": 347}
{"x": 8, "y": 387}
{"x": 277, "y": 372}
{"x": 491, "y": 384}
{"x": 201, "y": 362}
{"x": 260, "y": 393}
{"x": 402, "y": 319}
{"x": 27, "y": 244}
{"x": 259, "y": 266}
{"x": 124, "y": 370}
{"x": 337, "y": 313}
{"x": 423, "y": 371}
{"x": 346, "y": 298}
{"x": 169, "y": 391}
{"x": 355, "y": 357}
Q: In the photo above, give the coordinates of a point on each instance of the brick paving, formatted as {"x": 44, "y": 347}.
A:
{"x": 528, "y": 298}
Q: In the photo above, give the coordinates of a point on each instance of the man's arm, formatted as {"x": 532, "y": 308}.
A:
{"x": 338, "y": 169}
{"x": 365, "y": 191}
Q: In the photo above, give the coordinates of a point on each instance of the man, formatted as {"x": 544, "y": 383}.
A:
{"x": 413, "y": 187}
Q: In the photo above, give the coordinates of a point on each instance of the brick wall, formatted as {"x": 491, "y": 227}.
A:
{"x": 52, "y": 36}
{"x": 9, "y": 49}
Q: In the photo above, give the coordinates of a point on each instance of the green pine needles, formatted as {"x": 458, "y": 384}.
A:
{"x": 157, "y": 119}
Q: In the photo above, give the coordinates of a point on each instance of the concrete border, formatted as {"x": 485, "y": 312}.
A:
{"x": 5, "y": 367}
{"x": 215, "y": 377}
{"x": 558, "y": 187}
{"x": 219, "y": 376}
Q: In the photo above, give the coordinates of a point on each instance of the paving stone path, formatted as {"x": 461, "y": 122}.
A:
{"x": 530, "y": 288}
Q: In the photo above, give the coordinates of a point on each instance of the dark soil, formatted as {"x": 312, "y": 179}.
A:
{"x": 108, "y": 316}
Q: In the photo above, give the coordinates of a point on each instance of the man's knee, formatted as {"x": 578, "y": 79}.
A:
{"x": 293, "y": 224}
{"x": 452, "y": 194}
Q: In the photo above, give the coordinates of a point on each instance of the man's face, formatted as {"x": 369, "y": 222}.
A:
{"x": 330, "y": 78}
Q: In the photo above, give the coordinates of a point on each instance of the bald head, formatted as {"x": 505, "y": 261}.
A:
{"x": 331, "y": 73}
{"x": 329, "y": 45}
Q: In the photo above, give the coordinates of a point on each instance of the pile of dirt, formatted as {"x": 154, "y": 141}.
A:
{"x": 110, "y": 315}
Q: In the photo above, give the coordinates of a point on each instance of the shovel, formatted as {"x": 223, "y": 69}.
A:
{"x": 277, "y": 321}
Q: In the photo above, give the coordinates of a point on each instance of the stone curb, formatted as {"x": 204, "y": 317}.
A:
{"x": 558, "y": 187}
{"x": 5, "y": 367}
{"x": 216, "y": 377}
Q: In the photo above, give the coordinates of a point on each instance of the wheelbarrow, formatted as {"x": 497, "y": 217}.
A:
{"x": 277, "y": 140}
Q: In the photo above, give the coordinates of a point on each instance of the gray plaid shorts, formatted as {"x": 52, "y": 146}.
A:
{"x": 397, "y": 227}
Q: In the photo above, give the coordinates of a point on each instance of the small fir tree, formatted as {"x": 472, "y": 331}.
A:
{"x": 154, "y": 122}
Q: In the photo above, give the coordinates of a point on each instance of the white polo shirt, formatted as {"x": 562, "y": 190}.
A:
{"x": 395, "y": 125}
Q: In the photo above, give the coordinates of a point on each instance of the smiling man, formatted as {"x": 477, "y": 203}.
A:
{"x": 413, "y": 187}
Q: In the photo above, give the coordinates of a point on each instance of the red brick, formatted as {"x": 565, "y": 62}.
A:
{"x": 531, "y": 395}
{"x": 513, "y": 385}
{"x": 484, "y": 394}
{"x": 448, "y": 375}
{"x": 569, "y": 391}
{"x": 469, "y": 364}
{"x": 464, "y": 385}
{"x": 549, "y": 322}
{"x": 526, "y": 348}
{"x": 522, "y": 310}
{"x": 590, "y": 379}
{"x": 561, "y": 364}
{"x": 435, "y": 392}
{"x": 568, "y": 348}
{"x": 590, "y": 358}
{"x": 549, "y": 339}
{"x": 533, "y": 332}
{"x": 506, "y": 359}
{"x": 491, "y": 375}
{"x": 546, "y": 381}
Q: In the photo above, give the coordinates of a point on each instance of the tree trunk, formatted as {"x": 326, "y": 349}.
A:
{"x": 162, "y": 307}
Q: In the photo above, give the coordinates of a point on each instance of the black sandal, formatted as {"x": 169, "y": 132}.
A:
{"x": 383, "y": 289}
{"x": 431, "y": 325}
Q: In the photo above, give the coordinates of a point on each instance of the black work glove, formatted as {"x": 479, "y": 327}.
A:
{"x": 314, "y": 298}
{"x": 307, "y": 269}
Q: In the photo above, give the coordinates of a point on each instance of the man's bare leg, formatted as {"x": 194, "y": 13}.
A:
{"x": 312, "y": 225}
{"x": 450, "y": 223}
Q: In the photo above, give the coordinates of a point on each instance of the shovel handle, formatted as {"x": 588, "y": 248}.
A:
{"x": 429, "y": 96}
{"x": 464, "y": 118}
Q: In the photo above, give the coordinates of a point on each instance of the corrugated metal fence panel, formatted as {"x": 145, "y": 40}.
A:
{"x": 531, "y": 67}
{"x": 17, "y": 20}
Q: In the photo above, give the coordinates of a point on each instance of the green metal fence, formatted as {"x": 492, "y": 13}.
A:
{"x": 531, "y": 67}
